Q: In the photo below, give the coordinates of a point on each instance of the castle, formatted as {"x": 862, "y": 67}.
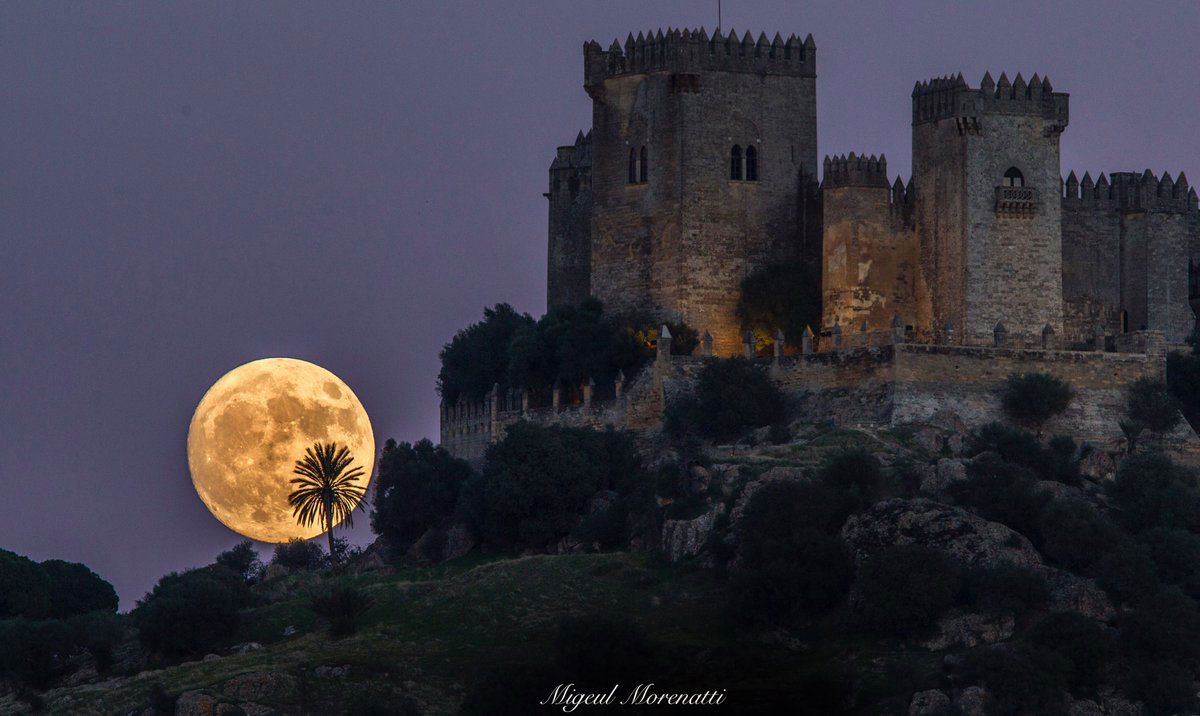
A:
{"x": 701, "y": 168}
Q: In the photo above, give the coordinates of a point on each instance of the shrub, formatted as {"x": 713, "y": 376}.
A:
{"x": 1183, "y": 380}
{"x": 299, "y": 554}
{"x": 1073, "y": 534}
{"x": 416, "y": 489}
{"x": 1176, "y": 555}
{"x": 1127, "y": 573}
{"x": 1001, "y": 492}
{"x": 1030, "y": 399}
{"x": 98, "y": 632}
{"x": 903, "y": 589}
{"x": 1149, "y": 403}
{"x": 537, "y": 481}
{"x": 571, "y": 344}
{"x": 1166, "y": 688}
{"x": 35, "y": 652}
{"x": 1084, "y": 645}
{"x": 1152, "y": 491}
{"x": 75, "y": 589}
{"x": 1055, "y": 462}
{"x": 242, "y": 559}
{"x": 24, "y": 587}
{"x": 1005, "y": 588}
{"x": 514, "y": 690}
{"x": 857, "y": 475}
{"x": 780, "y": 296}
{"x": 162, "y": 703}
{"x": 1026, "y": 679}
{"x": 342, "y": 608}
{"x": 792, "y": 560}
{"x": 733, "y": 396}
{"x": 190, "y": 613}
{"x": 1163, "y": 627}
{"x": 478, "y": 356}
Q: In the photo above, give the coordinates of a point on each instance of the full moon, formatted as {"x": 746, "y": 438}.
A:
{"x": 250, "y": 429}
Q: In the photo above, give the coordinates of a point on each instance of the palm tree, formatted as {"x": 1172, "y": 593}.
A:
{"x": 325, "y": 489}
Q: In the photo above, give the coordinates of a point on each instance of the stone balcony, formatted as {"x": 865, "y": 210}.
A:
{"x": 1016, "y": 200}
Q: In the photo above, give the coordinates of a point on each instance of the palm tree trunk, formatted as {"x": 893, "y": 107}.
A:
{"x": 329, "y": 532}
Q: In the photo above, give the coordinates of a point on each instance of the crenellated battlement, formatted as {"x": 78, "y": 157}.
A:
{"x": 855, "y": 170}
{"x": 950, "y": 97}
{"x": 1130, "y": 191}
{"x": 686, "y": 51}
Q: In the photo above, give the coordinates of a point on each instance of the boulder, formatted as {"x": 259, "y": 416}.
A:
{"x": 246, "y": 648}
{"x": 332, "y": 672}
{"x": 947, "y": 472}
{"x": 1069, "y": 592}
{"x": 211, "y": 657}
{"x": 929, "y": 703}
{"x": 952, "y": 530}
{"x": 972, "y": 701}
{"x": 1100, "y": 464}
{"x": 262, "y": 686}
{"x": 958, "y": 628}
{"x": 687, "y": 538}
{"x": 459, "y": 541}
{"x": 196, "y": 703}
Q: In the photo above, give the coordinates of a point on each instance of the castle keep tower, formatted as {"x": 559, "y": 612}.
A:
{"x": 701, "y": 149}
{"x": 987, "y": 204}
{"x": 569, "y": 258}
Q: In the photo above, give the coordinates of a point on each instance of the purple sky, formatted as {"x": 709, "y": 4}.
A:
{"x": 185, "y": 189}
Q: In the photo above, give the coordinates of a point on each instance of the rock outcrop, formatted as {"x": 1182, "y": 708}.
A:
{"x": 949, "y": 529}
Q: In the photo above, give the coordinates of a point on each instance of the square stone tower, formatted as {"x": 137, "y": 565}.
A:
{"x": 703, "y": 166}
{"x": 987, "y": 204}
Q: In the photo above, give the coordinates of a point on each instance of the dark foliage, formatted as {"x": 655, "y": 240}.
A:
{"x": 856, "y": 476}
{"x": 98, "y": 632}
{"x": 1149, "y": 403}
{"x": 1165, "y": 687}
{"x": 1127, "y": 573}
{"x": 1030, "y": 399}
{"x": 242, "y": 559}
{"x": 537, "y": 482}
{"x": 75, "y": 589}
{"x": 903, "y": 589}
{"x": 299, "y": 554}
{"x": 571, "y": 344}
{"x": 1072, "y": 534}
{"x": 35, "y": 653}
{"x": 1023, "y": 680}
{"x": 365, "y": 704}
{"x": 1163, "y": 627}
{"x": 1152, "y": 491}
{"x": 416, "y": 489}
{"x": 342, "y": 608}
{"x": 514, "y": 690}
{"x": 779, "y": 296}
{"x": 1002, "y": 492}
{"x": 24, "y": 587}
{"x": 478, "y": 356}
{"x": 1176, "y": 555}
{"x": 1053, "y": 462}
{"x": 1004, "y": 588}
{"x": 162, "y": 703}
{"x": 792, "y": 560}
{"x": 732, "y": 396}
{"x": 1087, "y": 648}
{"x": 192, "y": 612}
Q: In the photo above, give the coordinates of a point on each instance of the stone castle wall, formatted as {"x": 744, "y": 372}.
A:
{"x": 569, "y": 251}
{"x": 865, "y": 379}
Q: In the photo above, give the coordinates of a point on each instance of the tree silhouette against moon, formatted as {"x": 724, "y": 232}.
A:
{"x": 252, "y": 426}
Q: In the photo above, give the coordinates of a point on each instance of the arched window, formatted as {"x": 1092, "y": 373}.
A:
{"x": 632, "y": 165}
{"x": 642, "y": 166}
{"x": 1014, "y": 177}
{"x": 751, "y": 163}
{"x": 735, "y": 162}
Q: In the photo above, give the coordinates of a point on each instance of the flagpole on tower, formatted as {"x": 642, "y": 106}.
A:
{"x": 718, "y": 17}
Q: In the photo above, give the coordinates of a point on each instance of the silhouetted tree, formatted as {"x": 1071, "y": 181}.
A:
{"x": 326, "y": 490}
{"x": 242, "y": 559}
{"x": 416, "y": 489}
{"x": 478, "y": 356}
{"x": 1149, "y": 406}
